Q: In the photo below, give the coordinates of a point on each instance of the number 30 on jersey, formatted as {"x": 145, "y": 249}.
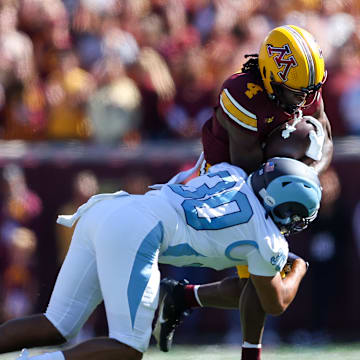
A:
{"x": 216, "y": 204}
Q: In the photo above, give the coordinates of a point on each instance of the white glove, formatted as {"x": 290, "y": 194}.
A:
{"x": 317, "y": 138}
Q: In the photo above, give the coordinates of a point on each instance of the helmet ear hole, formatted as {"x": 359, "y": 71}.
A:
{"x": 264, "y": 72}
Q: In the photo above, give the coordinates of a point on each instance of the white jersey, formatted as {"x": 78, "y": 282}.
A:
{"x": 218, "y": 223}
{"x": 214, "y": 221}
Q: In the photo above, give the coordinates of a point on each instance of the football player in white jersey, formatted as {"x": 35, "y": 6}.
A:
{"x": 217, "y": 220}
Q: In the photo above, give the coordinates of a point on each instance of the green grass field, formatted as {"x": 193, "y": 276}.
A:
{"x": 329, "y": 352}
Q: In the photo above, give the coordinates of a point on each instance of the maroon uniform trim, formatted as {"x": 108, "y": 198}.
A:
{"x": 245, "y": 104}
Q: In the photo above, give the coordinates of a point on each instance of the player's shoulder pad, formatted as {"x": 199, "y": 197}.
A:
{"x": 239, "y": 99}
{"x": 274, "y": 249}
{"x": 233, "y": 169}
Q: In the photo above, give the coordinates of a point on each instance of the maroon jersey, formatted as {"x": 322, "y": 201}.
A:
{"x": 245, "y": 103}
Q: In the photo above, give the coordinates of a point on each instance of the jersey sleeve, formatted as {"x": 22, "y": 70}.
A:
{"x": 270, "y": 257}
{"x": 258, "y": 266}
{"x": 234, "y": 99}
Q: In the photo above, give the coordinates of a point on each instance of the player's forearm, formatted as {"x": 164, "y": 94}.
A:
{"x": 292, "y": 282}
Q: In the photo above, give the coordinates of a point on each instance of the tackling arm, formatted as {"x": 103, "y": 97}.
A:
{"x": 275, "y": 293}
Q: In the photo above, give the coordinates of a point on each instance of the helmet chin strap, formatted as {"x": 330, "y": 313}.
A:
{"x": 275, "y": 96}
{"x": 288, "y": 109}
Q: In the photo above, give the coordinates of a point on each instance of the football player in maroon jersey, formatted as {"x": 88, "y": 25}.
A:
{"x": 278, "y": 86}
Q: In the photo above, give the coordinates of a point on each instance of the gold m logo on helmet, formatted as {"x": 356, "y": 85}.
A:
{"x": 280, "y": 60}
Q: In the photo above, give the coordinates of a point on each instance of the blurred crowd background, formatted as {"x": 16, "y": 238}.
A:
{"x": 125, "y": 73}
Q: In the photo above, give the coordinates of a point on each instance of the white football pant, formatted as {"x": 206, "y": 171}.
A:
{"x": 112, "y": 257}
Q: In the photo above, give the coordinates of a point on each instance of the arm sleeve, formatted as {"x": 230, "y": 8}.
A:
{"x": 236, "y": 112}
{"x": 270, "y": 257}
{"x": 234, "y": 103}
{"x": 258, "y": 266}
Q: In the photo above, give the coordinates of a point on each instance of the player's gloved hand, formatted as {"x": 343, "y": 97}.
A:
{"x": 290, "y": 260}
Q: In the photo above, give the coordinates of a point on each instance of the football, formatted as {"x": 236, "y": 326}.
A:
{"x": 290, "y": 140}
